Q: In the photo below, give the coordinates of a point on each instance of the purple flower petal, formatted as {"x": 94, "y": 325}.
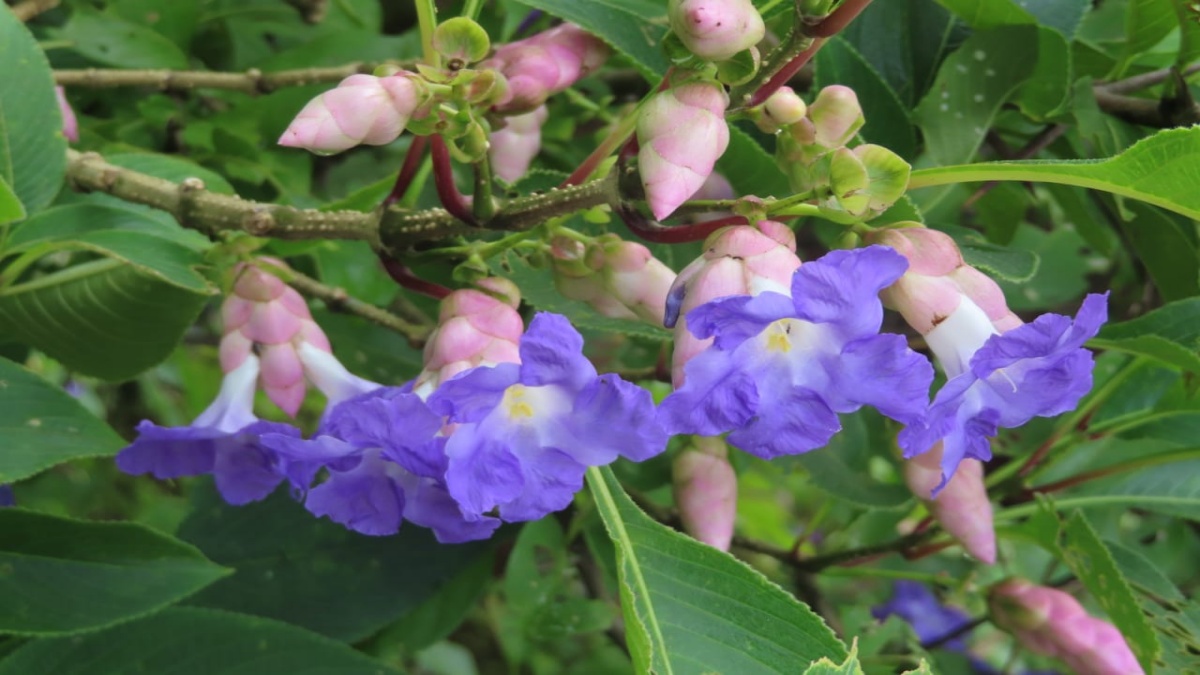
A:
{"x": 598, "y": 441}
{"x": 716, "y": 397}
{"x": 483, "y": 472}
{"x": 929, "y": 619}
{"x": 842, "y": 289}
{"x": 551, "y": 479}
{"x": 171, "y": 452}
{"x": 472, "y": 395}
{"x": 399, "y": 423}
{"x": 249, "y": 471}
{"x": 368, "y": 499}
{"x": 430, "y": 505}
{"x": 796, "y": 422}
{"x": 882, "y": 372}
{"x": 733, "y": 320}
{"x": 552, "y": 353}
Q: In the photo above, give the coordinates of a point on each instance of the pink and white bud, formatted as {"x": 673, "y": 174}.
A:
{"x": 705, "y": 488}
{"x": 475, "y": 328}
{"x": 620, "y": 279}
{"x": 264, "y": 312}
{"x": 513, "y": 148}
{"x": 681, "y": 133}
{"x": 544, "y": 64}
{"x": 1052, "y": 623}
{"x": 70, "y": 124}
{"x": 834, "y": 117}
{"x": 740, "y": 260}
{"x": 716, "y": 30}
{"x": 962, "y": 507}
{"x": 783, "y": 109}
{"x": 362, "y": 109}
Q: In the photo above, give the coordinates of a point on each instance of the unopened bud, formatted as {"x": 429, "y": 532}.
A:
{"x": 705, "y": 487}
{"x": 362, "y": 109}
{"x": 70, "y": 124}
{"x": 475, "y": 328}
{"x": 681, "y": 133}
{"x": 545, "y": 64}
{"x": 716, "y": 30}
{"x": 784, "y": 108}
{"x": 962, "y": 507}
{"x": 514, "y": 146}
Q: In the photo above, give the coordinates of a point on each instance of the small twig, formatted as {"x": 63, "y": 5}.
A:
{"x": 28, "y": 9}
{"x": 1130, "y": 85}
{"x": 653, "y": 232}
{"x": 338, "y": 300}
{"x": 955, "y": 634}
{"x": 408, "y": 170}
{"x": 443, "y": 180}
{"x": 402, "y": 275}
{"x": 253, "y": 81}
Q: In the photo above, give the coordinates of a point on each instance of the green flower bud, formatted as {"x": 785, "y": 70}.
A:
{"x": 461, "y": 39}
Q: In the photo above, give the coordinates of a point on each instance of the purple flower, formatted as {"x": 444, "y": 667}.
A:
{"x": 7, "y": 498}
{"x": 1039, "y": 369}
{"x": 384, "y": 462}
{"x": 224, "y": 441}
{"x": 782, "y": 368}
{"x": 930, "y": 620}
{"x": 527, "y": 432}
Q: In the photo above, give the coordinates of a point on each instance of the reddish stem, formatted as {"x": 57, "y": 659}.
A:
{"x": 402, "y": 275}
{"x": 443, "y": 180}
{"x": 918, "y": 553}
{"x": 408, "y": 171}
{"x": 603, "y": 150}
{"x": 653, "y": 232}
{"x": 827, "y": 28}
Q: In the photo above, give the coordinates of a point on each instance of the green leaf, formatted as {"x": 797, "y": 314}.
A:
{"x": 103, "y": 318}
{"x": 888, "y": 122}
{"x": 971, "y": 85}
{"x": 537, "y": 288}
{"x": 190, "y": 641}
{"x": 42, "y": 426}
{"x": 750, "y": 169}
{"x": 1167, "y": 244}
{"x": 692, "y": 609}
{"x": 1147, "y": 22}
{"x": 1086, "y": 555}
{"x": 850, "y": 666}
{"x": 110, "y": 40}
{"x": 1047, "y": 92}
{"x": 1170, "y": 334}
{"x": 116, "y": 233}
{"x": 844, "y": 471}
{"x": 11, "y": 209}
{"x": 314, "y": 573}
{"x": 33, "y": 150}
{"x": 1189, "y": 34}
{"x": 1009, "y": 263}
{"x": 984, "y": 14}
{"x": 1176, "y": 619}
{"x": 1159, "y": 170}
{"x": 63, "y": 576}
{"x": 633, "y": 27}
{"x": 1173, "y": 489}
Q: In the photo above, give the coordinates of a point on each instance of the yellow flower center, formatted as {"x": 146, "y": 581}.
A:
{"x": 516, "y": 403}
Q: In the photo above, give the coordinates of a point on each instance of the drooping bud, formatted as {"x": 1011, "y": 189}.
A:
{"x": 716, "y": 30}
{"x": 475, "y": 328}
{"x": 1052, "y": 623}
{"x": 545, "y": 64}
{"x": 705, "y": 488}
{"x": 741, "y": 260}
{"x": 783, "y": 109}
{"x": 620, "y": 279}
{"x": 514, "y": 147}
{"x": 362, "y": 109}
{"x": 265, "y": 312}
{"x": 962, "y": 507}
{"x": 682, "y": 133}
{"x": 70, "y": 124}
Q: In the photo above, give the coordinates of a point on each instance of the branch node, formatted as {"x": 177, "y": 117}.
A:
{"x": 258, "y": 222}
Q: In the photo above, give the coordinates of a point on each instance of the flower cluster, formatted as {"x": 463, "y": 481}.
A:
{"x": 500, "y": 426}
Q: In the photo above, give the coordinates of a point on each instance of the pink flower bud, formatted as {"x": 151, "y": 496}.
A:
{"x": 361, "y": 109}
{"x": 741, "y": 260}
{"x": 620, "y": 279}
{"x": 512, "y": 148}
{"x": 706, "y": 492}
{"x": 783, "y": 109}
{"x": 929, "y": 252}
{"x": 262, "y": 310}
{"x": 474, "y": 329}
{"x": 716, "y": 30}
{"x": 962, "y": 507}
{"x": 1052, "y": 623}
{"x": 545, "y": 64}
{"x": 985, "y": 292}
{"x": 70, "y": 124}
{"x": 681, "y": 132}
{"x": 835, "y": 116}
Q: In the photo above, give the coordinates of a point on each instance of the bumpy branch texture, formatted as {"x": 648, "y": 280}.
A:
{"x": 252, "y": 81}
{"x": 390, "y": 229}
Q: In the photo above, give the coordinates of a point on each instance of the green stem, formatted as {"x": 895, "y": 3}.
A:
{"x": 1123, "y": 467}
{"x": 858, "y": 572}
{"x": 481, "y": 201}
{"x": 615, "y": 139}
{"x": 427, "y": 19}
{"x": 1029, "y": 508}
{"x": 471, "y": 9}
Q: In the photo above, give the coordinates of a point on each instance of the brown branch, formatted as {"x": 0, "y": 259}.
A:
{"x": 312, "y": 11}
{"x": 390, "y": 229}
{"x": 252, "y": 81}
{"x": 1167, "y": 113}
{"x": 1130, "y": 85}
{"x": 28, "y": 9}
{"x": 338, "y": 300}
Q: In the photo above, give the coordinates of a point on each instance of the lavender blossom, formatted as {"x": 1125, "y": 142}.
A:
{"x": 998, "y": 380}
{"x": 526, "y": 432}
{"x": 782, "y": 368}
{"x": 225, "y": 440}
